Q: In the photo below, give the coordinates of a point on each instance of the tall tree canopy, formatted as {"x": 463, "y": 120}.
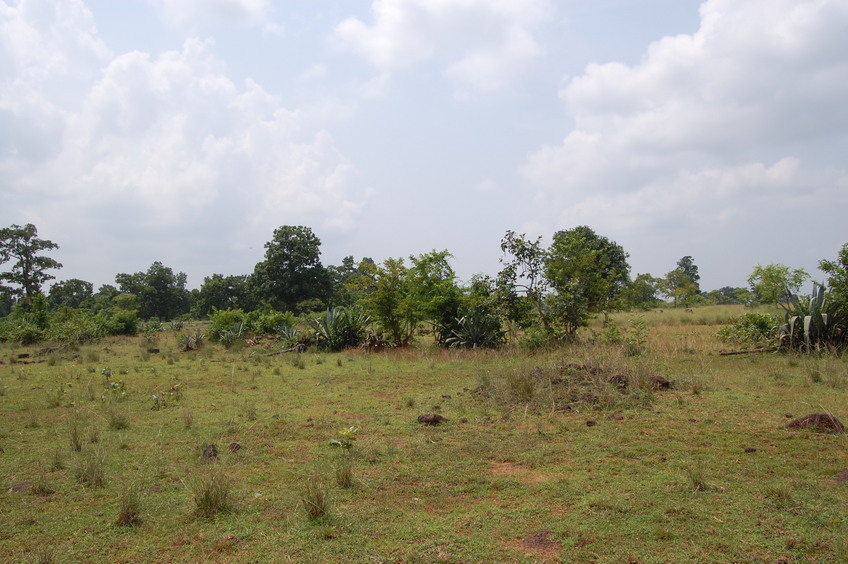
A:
{"x": 774, "y": 282}
{"x": 160, "y": 293}
{"x": 292, "y": 272}
{"x": 588, "y": 272}
{"x": 22, "y": 246}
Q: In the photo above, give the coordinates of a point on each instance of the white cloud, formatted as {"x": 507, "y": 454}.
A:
{"x": 158, "y": 145}
{"x": 729, "y": 125}
{"x": 183, "y": 12}
{"x": 480, "y": 43}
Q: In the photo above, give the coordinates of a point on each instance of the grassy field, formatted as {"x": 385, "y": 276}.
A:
{"x": 568, "y": 455}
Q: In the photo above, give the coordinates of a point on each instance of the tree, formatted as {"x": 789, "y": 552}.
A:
{"x": 681, "y": 284}
{"x": 642, "y": 292}
{"x": 73, "y": 293}
{"x": 28, "y": 273}
{"x": 728, "y": 295}
{"x": 521, "y": 285}
{"x": 588, "y": 273}
{"x": 773, "y": 283}
{"x": 223, "y": 292}
{"x": 160, "y": 293}
{"x": 435, "y": 293}
{"x": 390, "y": 302}
{"x": 292, "y": 272}
{"x": 688, "y": 267}
{"x": 837, "y": 285}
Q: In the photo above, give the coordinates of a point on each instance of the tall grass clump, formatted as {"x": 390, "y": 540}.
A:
{"x": 91, "y": 467}
{"x": 212, "y": 492}
{"x": 315, "y": 499}
{"x": 129, "y": 507}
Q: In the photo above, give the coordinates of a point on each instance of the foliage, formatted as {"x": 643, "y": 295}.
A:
{"x": 340, "y": 328}
{"x": 756, "y": 329}
{"x": 291, "y": 272}
{"x": 772, "y": 283}
{"x": 679, "y": 286}
{"x": 223, "y": 320}
{"x": 73, "y": 293}
{"x": 479, "y": 328}
{"x": 809, "y": 324}
{"x": 521, "y": 283}
{"x": 160, "y": 293}
{"x": 223, "y": 292}
{"x": 29, "y": 268}
{"x": 728, "y": 295}
{"x": 434, "y": 292}
{"x": 388, "y": 299}
{"x": 587, "y": 272}
{"x": 348, "y": 437}
{"x": 641, "y": 292}
{"x": 837, "y": 285}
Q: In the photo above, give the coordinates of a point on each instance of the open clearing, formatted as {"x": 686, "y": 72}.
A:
{"x": 568, "y": 455}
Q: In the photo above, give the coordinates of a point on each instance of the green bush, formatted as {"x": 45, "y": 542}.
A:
{"x": 223, "y": 321}
{"x": 755, "y": 329}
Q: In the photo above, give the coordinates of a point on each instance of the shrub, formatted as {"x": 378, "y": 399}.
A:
{"x": 754, "y": 329}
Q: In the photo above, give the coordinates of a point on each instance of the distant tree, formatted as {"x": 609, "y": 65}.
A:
{"x": 102, "y": 299}
{"x": 837, "y": 285}
{"x": 160, "y": 293}
{"x": 642, "y": 292}
{"x": 681, "y": 284}
{"x": 292, "y": 272}
{"x": 435, "y": 293}
{"x": 22, "y": 246}
{"x": 730, "y": 296}
{"x": 774, "y": 283}
{"x": 73, "y": 293}
{"x": 588, "y": 273}
{"x": 688, "y": 267}
{"x": 223, "y": 292}
{"x": 346, "y": 290}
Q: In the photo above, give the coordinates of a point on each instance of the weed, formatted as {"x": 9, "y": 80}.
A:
{"x": 696, "y": 478}
{"x": 298, "y": 362}
{"x": 212, "y": 493}
{"x": 57, "y": 462}
{"x": 46, "y": 554}
{"x": 118, "y": 418}
{"x": 91, "y": 467}
{"x": 41, "y": 486}
{"x": 75, "y": 432}
{"x": 344, "y": 471}
{"x": 32, "y": 419}
{"x": 129, "y": 507}
{"x": 188, "y": 418}
{"x": 315, "y": 499}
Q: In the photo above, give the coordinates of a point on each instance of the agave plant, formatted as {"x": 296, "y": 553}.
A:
{"x": 478, "y": 329}
{"x": 339, "y": 328}
{"x": 807, "y": 321}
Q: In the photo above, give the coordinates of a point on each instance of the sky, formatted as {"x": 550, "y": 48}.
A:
{"x": 186, "y": 131}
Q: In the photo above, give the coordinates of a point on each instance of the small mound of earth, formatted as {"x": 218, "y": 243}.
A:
{"x": 542, "y": 545}
{"x": 841, "y": 477}
{"x": 820, "y": 422}
{"x": 431, "y": 419}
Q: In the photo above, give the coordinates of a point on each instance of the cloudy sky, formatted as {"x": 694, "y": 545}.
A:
{"x": 186, "y": 131}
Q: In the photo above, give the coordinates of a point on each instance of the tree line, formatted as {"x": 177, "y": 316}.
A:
{"x": 545, "y": 293}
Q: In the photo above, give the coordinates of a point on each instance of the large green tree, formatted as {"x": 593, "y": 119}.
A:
{"x": 160, "y": 292}
{"x": 588, "y": 273}
{"x": 22, "y": 247}
{"x": 435, "y": 292}
{"x": 837, "y": 285}
{"x": 73, "y": 293}
{"x": 775, "y": 282}
{"x": 292, "y": 274}
{"x": 223, "y": 292}
{"x": 389, "y": 299}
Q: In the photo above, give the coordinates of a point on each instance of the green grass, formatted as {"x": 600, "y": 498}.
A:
{"x": 659, "y": 476}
